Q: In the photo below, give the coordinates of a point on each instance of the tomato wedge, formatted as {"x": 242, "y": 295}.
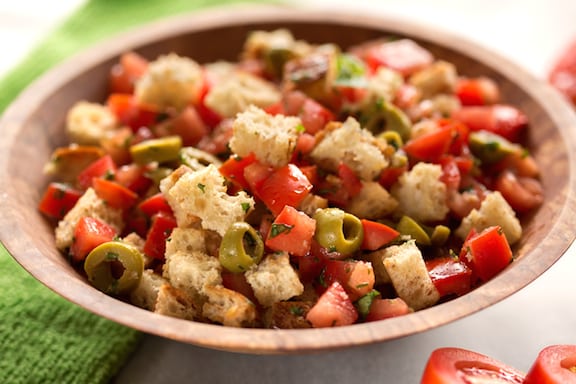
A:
{"x": 430, "y": 146}
{"x": 334, "y": 308}
{"x": 555, "y": 364}
{"x": 286, "y": 185}
{"x": 114, "y": 194}
{"x": 487, "y": 253}
{"x": 377, "y": 234}
{"x": 88, "y": 234}
{"x": 292, "y": 231}
{"x": 102, "y": 167}
{"x": 161, "y": 228}
{"x": 461, "y": 366}
{"x": 449, "y": 275}
{"x": 58, "y": 199}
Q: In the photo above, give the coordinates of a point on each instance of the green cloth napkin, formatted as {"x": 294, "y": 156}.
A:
{"x": 44, "y": 338}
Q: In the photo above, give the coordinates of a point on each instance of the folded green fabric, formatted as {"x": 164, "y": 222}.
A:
{"x": 44, "y": 338}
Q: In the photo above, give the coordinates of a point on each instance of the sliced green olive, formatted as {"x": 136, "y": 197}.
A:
{"x": 393, "y": 138}
{"x": 275, "y": 58}
{"x": 407, "y": 226}
{"x": 490, "y": 147}
{"x": 440, "y": 235}
{"x": 114, "y": 267}
{"x": 241, "y": 248}
{"x": 158, "y": 173}
{"x": 338, "y": 231}
{"x": 385, "y": 116}
{"x": 158, "y": 150}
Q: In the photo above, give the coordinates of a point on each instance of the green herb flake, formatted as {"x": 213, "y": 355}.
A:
{"x": 300, "y": 128}
{"x": 202, "y": 187}
{"x": 296, "y": 310}
{"x": 112, "y": 256}
{"x": 245, "y": 207}
{"x": 278, "y": 229}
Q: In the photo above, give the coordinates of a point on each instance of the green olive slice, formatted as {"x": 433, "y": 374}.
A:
{"x": 407, "y": 226}
{"x": 490, "y": 147}
{"x": 158, "y": 150}
{"x": 241, "y": 248}
{"x": 114, "y": 267}
{"x": 338, "y": 231}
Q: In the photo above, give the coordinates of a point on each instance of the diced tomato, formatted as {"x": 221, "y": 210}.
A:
{"x": 286, "y": 185}
{"x": 58, "y": 199}
{"x": 133, "y": 176}
{"x": 155, "y": 204}
{"x": 334, "y": 308}
{"x": 160, "y": 230}
{"x": 487, "y": 253}
{"x": 450, "y": 275}
{"x": 137, "y": 223}
{"x": 406, "y": 96}
{"x": 391, "y": 174}
{"x": 477, "y": 91}
{"x": 114, "y": 194}
{"x": 89, "y": 233}
{"x": 102, "y": 167}
{"x": 356, "y": 277}
{"x": 555, "y": 364}
{"x": 376, "y": 235}
{"x": 381, "y": 309}
{"x": 292, "y": 232}
{"x": 304, "y": 145}
{"x": 211, "y": 118}
{"x": 430, "y": 146}
{"x": 350, "y": 181}
{"x": 562, "y": 76}
{"x": 522, "y": 193}
{"x": 233, "y": 169}
{"x": 457, "y": 365}
{"x": 310, "y": 266}
{"x": 133, "y": 114}
{"x": 504, "y": 120}
{"x": 450, "y": 173}
{"x": 187, "y": 124}
{"x": 126, "y": 72}
{"x": 275, "y": 109}
{"x": 315, "y": 116}
{"x": 216, "y": 142}
{"x": 460, "y": 134}
{"x": 311, "y": 172}
{"x": 255, "y": 174}
{"x": 404, "y": 56}
{"x": 237, "y": 282}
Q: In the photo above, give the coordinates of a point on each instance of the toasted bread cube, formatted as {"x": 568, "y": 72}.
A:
{"x": 228, "y": 307}
{"x": 438, "y": 78}
{"x": 236, "y": 93}
{"x": 421, "y": 194}
{"x": 192, "y": 272}
{"x": 271, "y": 138}
{"x": 274, "y": 279}
{"x": 372, "y": 202}
{"x": 185, "y": 240}
{"x": 175, "y": 303}
{"x": 145, "y": 294}
{"x": 171, "y": 81}
{"x": 356, "y": 147}
{"x": 494, "y": 210}
{"x": 407, "y": 270}
{"x": 288, "y": 315}
{"x": 88, "y": 123}
{"x": 89, "y": 205}
{"x": 202, "y": 194}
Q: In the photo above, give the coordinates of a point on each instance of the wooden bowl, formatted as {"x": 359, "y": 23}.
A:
{"x": 33, "y": 126}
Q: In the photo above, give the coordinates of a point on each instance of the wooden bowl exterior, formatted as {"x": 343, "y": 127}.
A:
{"x": 33, "y": 126}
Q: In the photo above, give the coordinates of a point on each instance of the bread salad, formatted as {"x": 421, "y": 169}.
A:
{"x": 303, "y": 185}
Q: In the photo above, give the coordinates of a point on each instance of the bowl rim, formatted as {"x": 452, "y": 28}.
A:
{"x": 270, "y": 341}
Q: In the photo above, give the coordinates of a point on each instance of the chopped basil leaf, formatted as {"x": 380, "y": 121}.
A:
{"x": 278, "y": 229}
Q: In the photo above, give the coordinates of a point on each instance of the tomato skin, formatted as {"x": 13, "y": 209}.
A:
{"x": 315, "y": 116}
{"x": 562, "y": 76}
{"x": 114, "y": 194}
{"x": 390, "y": 175}
{"x": 237, "y": 282}
{"x": 449, "y": 275}
{"x": 334, "y": 308}
{"x": 99, "y": 168}
{"x": 382, "y": 309}
{"x": 58, "y": 199}
{"x": 376, "y": 234}
{"x": 356, "y": 277}
{"x": 555, "y": 364}
{"x": 88, "y": 234}
{"x": 504, "y": 120}
{"x": 233, "y": 169}
{"x": 310, "y": 267}
{"x": 477, "y": 91}
{"x": 292, "y": 231}
{"x": 461, "y": 366}
{"x": 188, "y": 124}
{"x": 430, "y": 146}
{"x": 133, "y": 177}
{"x": 132, "y": 114}
{"x": 487, "y": 253}
{"x": 155, "y": 204}
{"x": 211, "y": 118}
{"x": 404, "y": 56}
{"x": 160, "y": 229}
{"x": 286, "y": 185}
{"x": 126, "y": 72}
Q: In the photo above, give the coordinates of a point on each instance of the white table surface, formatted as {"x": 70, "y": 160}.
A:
{"x": 530, "y": 32}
